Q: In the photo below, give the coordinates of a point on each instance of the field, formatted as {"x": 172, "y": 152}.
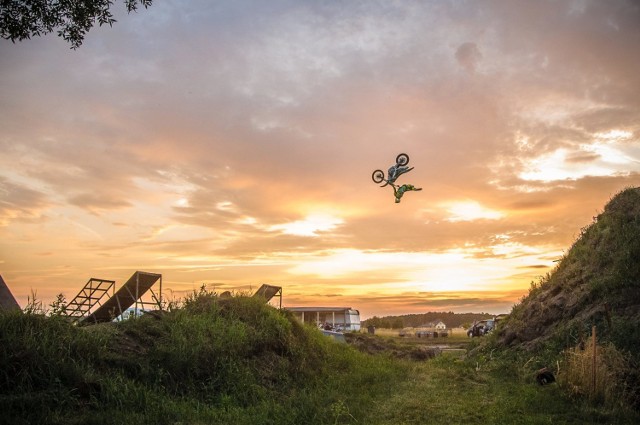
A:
{"x": 455, "y": 388}
{"x": 242, "y": 362}
{"x": 453, "y": 391}
{"x": 457, "y": 333}
{"x": 455, "y": 343}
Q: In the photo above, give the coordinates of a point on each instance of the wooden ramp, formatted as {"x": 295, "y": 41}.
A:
{"x": 128, "y": 295}
{"x": 92, "y": 295}
{"x": 269, "y": 291}
{"x": 7, "y": 301}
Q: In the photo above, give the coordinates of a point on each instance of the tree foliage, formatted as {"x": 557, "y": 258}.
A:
{"x": 22, "y": 19}
{"x": 450, "y": 319}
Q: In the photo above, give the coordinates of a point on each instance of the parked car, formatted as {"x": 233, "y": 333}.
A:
{"x": 424, "y": 334}
{"x": 404, "y": 332}
{"x": 481, "y": 328}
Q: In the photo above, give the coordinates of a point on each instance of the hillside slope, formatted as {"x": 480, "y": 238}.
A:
{"x": 212, "y": 361}
{"x": 596, "y": 283}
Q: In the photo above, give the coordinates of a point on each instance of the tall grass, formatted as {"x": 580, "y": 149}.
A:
{"x": 213, "y": 360}
{"x": 602, "y": 380}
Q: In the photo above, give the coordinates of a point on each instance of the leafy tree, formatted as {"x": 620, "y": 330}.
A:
{"x": 59, "y": 306}
{"x": 21, "y": 19}
{"x": 397, "y": 323}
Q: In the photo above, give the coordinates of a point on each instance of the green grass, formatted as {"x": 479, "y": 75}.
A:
{"x": 239, "y": 361}
{"x": 234, "y": 361}
{"x": 450, "y": 391}
{"x": 596, "y": 284}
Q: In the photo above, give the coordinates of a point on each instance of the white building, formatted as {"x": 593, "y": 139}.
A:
{"x": 344, "y": 318}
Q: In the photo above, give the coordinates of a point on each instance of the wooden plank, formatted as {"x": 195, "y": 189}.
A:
{"x": 7, "y": 301}
{"x": 267, "y": 291}
{"x": 133, "y": 289}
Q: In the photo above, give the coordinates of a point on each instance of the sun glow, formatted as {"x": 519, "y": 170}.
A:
{"x": 342, "y": 263}
{"x": 310, "y": 226}
{"x": 468, "y": 269}
{"x": 469, "y": 211}
{"x": 182, "y": 203}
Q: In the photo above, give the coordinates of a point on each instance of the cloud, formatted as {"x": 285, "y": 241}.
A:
{"x": 92, "y": 201}
{"x": 19, "y": 203}
{"x": 234, "y": 141}
{"x": 471, "y": 210}
{"x": 468, "y": 55}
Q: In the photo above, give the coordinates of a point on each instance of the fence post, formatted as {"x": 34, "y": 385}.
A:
{"x": 593, "y": 364}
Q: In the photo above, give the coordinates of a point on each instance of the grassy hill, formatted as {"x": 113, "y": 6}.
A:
{"x": 596, "y": 283}
{"x": 228, "y": 361}
{"x": 240, "y": 361}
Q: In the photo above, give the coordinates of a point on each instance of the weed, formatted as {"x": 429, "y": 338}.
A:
{"x": 34, "y": 305}
{"x": 610, "y": 368}
{"x": 58, "y": 306}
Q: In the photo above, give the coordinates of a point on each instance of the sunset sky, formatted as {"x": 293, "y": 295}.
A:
{"x": 232, "y": 143}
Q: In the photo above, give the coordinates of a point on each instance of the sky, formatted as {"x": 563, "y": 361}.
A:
{"x": 231, "y": 143}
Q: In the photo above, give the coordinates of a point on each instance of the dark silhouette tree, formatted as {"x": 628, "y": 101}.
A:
{"x": 22, "y": 19}
{"x": 397, "y": 323}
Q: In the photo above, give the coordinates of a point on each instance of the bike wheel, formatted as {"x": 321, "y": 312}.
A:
{"x": 377, "y": 176}
{"x": 402, "y": 159}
